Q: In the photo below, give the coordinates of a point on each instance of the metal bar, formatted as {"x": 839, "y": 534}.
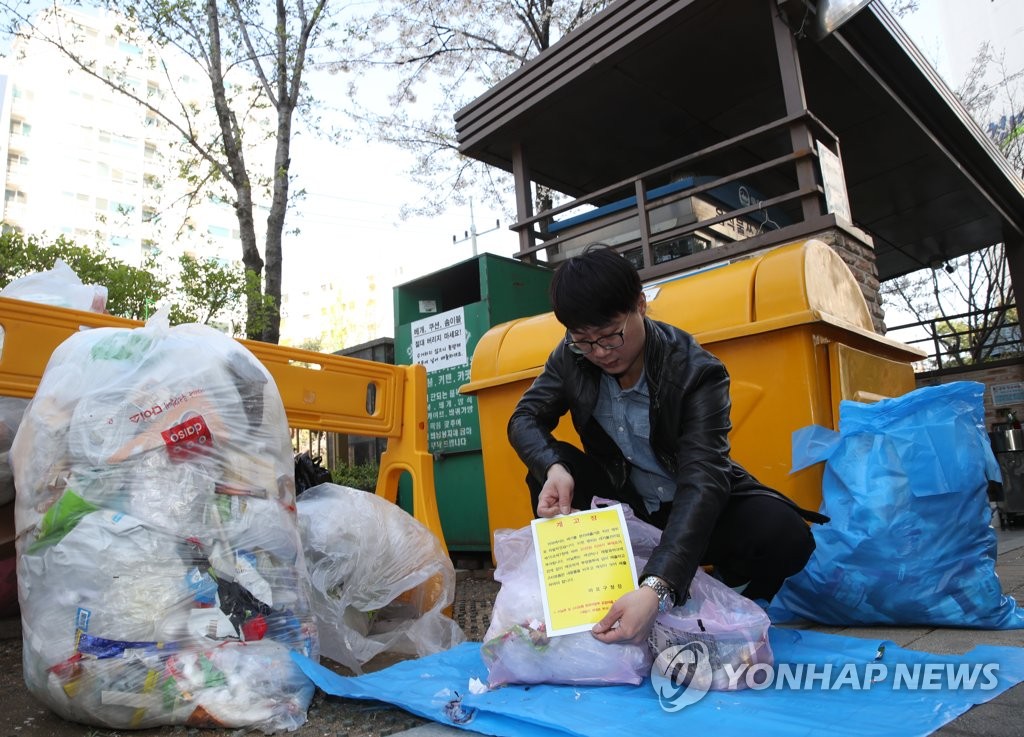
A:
{"x": 790, "y": 233}
{"x": 1013, "y": 247}
{"x": 796, "y": 101}
{"x": 675, "y": 163}
{"x": 645, "y": 223}
{"x": 628, "y": 213}
{"x": 524, "y": 199}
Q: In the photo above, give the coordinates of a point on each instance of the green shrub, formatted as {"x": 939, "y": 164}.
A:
{"x": 359, "y": 476}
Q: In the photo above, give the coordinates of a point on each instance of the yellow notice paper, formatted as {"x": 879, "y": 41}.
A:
{"x": 585, "y": 563}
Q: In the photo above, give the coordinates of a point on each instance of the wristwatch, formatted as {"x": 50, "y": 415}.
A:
{"x": 666, "y": 595}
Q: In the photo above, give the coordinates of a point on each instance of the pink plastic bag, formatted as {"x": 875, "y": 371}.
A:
{"x": 716, "y": 622}
{"x": 516, "y": 646}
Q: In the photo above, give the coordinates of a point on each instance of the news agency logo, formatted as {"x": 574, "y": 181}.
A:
{"x": 682, "y": 675}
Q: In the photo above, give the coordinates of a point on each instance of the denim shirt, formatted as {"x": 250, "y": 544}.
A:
{"x": 625, "y": 414}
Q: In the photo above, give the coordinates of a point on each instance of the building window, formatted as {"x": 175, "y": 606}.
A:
{"x": 15, "y": 196}
{"x": 679, "y": 247}
{"x": 20, "y": 128}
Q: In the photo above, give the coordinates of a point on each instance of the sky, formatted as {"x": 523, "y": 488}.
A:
{"x": 351, "y": 224}
{"x": 949, "y": 32}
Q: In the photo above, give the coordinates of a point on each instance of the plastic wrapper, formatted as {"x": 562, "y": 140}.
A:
{"x": 58, "y": 287}
{"x": 727, "y": 629}
{"x": 516, "y": 647}
{"x": 381, "y": 580}
{"x": 160, "y": 566}
{"x": 910, "y": 540}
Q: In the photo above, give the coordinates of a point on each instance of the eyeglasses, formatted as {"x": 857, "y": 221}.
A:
{"x": 608, "y": 342}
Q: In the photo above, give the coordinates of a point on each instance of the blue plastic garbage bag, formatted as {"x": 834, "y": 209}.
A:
{"x": 910, "y": 540}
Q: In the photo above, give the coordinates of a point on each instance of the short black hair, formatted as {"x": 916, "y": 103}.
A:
{"x": 594, "y": 287}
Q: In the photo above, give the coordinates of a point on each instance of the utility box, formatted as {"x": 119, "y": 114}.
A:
{"x": 791, "y": 327}
{"x": 439, "y": 319}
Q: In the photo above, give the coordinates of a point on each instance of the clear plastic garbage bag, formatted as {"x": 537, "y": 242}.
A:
{"x": 160, "y": 566}
{"x": 910, "y": 540}
{"x": 723, "y": 633}
{"x": 58, "y": 287}
{"x": 381, "y": 581}
{"x": 516, "y": 646}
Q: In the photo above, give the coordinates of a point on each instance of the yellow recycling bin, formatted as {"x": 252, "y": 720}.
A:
{"x": 791, "y": 327}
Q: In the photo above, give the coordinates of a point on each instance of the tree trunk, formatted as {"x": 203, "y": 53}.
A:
{"x": 239, "y": 178}
{"x": 252, "y": 262}
{"x": 275, "y": 224}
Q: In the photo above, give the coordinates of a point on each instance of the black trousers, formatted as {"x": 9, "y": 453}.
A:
{"x": 758, "y": 538}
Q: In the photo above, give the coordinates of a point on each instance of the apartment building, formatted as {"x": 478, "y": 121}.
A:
{"x": 82, "y": 160}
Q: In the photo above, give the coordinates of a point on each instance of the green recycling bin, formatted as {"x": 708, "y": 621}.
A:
{"x": 439, "y": 318}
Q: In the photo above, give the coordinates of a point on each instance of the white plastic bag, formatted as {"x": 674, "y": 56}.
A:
{"x": 160, "y": 568}
{"x": 58, "y": 287}
{"x": 381, "y": 580}
{"x": 516, "y": 646}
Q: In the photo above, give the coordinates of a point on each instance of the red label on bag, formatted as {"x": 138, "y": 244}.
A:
{"x": 188, "y": 438}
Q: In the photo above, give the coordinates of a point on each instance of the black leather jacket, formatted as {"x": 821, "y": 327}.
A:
{"x": 689, "y": 390}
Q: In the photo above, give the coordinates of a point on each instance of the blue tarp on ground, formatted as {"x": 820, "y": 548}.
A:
{"x": 425, "y": 686}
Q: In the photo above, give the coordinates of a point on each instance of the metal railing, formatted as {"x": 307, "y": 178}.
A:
{"x": 660, "y": 215}
{"x": 964, "y": 340}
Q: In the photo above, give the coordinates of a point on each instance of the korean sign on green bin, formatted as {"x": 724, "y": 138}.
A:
{"x": 441, "y": 344}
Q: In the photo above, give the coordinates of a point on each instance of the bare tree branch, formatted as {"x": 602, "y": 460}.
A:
{"x": 442, "y": 54}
